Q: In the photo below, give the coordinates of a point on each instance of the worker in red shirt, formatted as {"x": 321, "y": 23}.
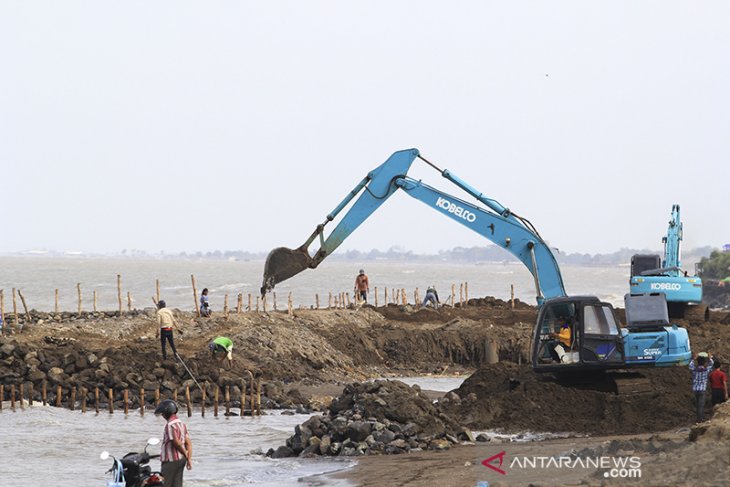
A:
{"x": 718, "y": 383}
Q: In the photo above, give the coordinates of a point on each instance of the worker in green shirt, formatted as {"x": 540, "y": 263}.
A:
{"x": 220, "y": 348}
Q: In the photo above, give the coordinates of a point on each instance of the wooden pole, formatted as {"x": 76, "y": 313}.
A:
{"x": 249, "y": 303}
{"x": 126, "y": 403}
{"x": 157, "y": 397}
{"x": 404, "y": 296}
{"x": 3, "y": 324}
{"x": 174, "y": 395}
{"x": 263, "y": 302}
{"x": 258, "y": 397}
{"x": 25, "y": 307}
{"x": 96, "y": 399}
{"x": 188, "y": 401}
{"x": 195, "y": 296}
{"x": 157, "y": 290}
{"x": 55, "y": 307}
{"x": 15, "y": 311}
{"x": 228, "y": 400}
{"x": 21, "y": 393}
{"x": 453, "y": 294}
{"x": 202, "y": 402}
{"x": 84, "y": 392}
{"x": 274, "y": 301}
{"x": 257, "y": 304}
{"x": 129, "y": 301}
{"x": 416, "y": 297}
{"x": 119, "y": 292}
{"x": 466, "y": 293}
{"x": 461, "y": 294}
{"x": 385, "y": 298}
{"x": 243, "y": 396}
{"x": 12, "y": 397}
{"x": 72, "y": 402}
{"x": 94, "y": 300}
{"x": 111, "y": 401}
{"x": 2, "y": 395}
{"x": 290, "y": 311}
{"x": 512, "y": 295}
{"x": 316, "y": 301}
{"x": 251, "y": 402}
{"x": 239, "y": 304}
{"x": 78, "y": 294}
{"x": 141, "y": 401}
{"x": 44, "y": 396}
{"x": 215, "y": 401}
{"x": 347, "y": 297}
{"x": 58, "y": 396}
{"x": 30, "y": 394}
{"x": 329, "y": 302}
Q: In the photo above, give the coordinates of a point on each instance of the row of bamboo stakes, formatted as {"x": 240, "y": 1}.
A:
{"x": 254, "y": 399}
{"x": 334, "y": 301}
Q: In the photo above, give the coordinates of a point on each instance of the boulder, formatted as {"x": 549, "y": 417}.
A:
{"x": 358, "y": 430}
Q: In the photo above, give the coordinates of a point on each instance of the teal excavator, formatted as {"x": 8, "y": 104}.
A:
{"x": 598, "y": 341}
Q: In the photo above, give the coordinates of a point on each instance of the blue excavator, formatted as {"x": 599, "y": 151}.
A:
{"x": 651, "y": 273}
{"x": 597, "y": 340}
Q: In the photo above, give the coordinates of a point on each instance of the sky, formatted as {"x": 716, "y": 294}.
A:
{"x": 238, "y": 125}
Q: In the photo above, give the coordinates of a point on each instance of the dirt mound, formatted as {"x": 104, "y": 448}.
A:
{"x": 716, "y": 294}
{"x": 514, "y": 398}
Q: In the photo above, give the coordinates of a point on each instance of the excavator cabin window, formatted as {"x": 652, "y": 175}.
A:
{"x": 558, "y": 335}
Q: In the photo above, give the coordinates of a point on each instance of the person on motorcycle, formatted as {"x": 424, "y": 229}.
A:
{"x": 177, "y": 448}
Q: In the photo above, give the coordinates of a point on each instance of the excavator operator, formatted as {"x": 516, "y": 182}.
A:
{"x": 564, "y": 339}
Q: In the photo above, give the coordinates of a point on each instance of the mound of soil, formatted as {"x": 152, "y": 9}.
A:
{"x": 513, "y": 398}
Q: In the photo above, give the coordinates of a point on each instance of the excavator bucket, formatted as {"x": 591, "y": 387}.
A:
{"x": 281, "y": 264}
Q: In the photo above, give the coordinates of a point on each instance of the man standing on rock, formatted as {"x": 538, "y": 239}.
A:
{"x": 362, "y": 286}
{"x": 167, "y": 322}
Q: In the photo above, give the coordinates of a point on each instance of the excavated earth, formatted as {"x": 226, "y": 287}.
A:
{"x": 305, "y": 357}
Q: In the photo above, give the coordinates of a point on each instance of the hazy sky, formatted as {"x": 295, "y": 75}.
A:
{"x": 172, "y": 125}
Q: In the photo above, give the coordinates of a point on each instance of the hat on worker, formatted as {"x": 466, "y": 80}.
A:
{"x": 362, "y": 271}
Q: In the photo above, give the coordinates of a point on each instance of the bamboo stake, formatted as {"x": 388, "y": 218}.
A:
{"x": 94, "y": 300}
{"x": 404, "y": 296}
{"x": 512, "y": 295}
{"x": 195, "y": 296}
{"x": 157, "y": 397}
{"x": 453, "y": 294}
{"x": 3, "y": 324}
{"x": 188, "y": 402}
{"x": 119, "y": 292}
{"x": 12, "y": 397}
{"x": 72, "y": 403}
{"x": 157, "y": 290}
{"x": 58, "y": 396}
{"x": 290, "y": 311}
{"x": 263, "y": 302}
{"x": 22, "y": 300}
{"x": 329, "y": 302}
{"x": 2, "y": 395}
{"x": 385, "y": 298}
{"x": 55, "y": 307}
{"x": 126, "y": 404}
{"x": 239, "y": 305}
{"x": 111, "y": 401}
{"x": 228, "y": 400}
{"x": 249, "y": 302}
{"x": 257, "y": 304}
{"x": 258, "y": 397}
{"x": 30, "y": 394}
{"x": 215, "y": 401}
{"x": 376, "y": 296}
{"x": 202, "y": 403}
{"x": 466, "y": 293}
{"x": 96, "y": 400}
{"x": 251, "y": 402}
{"x": 15, "y": 311}
{"x": 316, "y": 301}
{"x": 416, "y": 297}
{"x": 78, "y": 294}
{"x": 44, "y": 397}
{"x": 21, "y": 394}
{"x": 347, "y": 296}
{"x": 274, "y": 302}
{"x": 129, "y": 301}
{"x": 461, "y": 294}
{"x": 141, "y": 401}
{"x": 225, "y": 306}
{"x": 84, "y": 392}
{"x": 174, "y": 395}
{"x": 243, "y": 396}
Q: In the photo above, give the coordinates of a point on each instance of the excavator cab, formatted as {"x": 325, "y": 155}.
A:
{"x": 576, "y": 333}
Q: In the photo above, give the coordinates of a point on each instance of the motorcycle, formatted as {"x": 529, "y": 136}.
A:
{"x": 133, "y": 469}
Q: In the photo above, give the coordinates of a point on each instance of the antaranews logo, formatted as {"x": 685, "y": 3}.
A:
{"x": 613, "y": 466}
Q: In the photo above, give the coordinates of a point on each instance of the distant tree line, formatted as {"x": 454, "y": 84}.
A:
{"x": 716, "y": 266}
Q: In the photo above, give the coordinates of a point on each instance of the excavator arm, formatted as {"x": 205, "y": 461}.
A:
{"x": 496, "y": 223}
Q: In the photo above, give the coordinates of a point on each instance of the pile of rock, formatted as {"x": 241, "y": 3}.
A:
{"x": 380, "y": 417}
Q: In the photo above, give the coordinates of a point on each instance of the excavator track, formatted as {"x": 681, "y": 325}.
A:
{"x": 630, "y": 383}
{"x": 697, "y": 312}
{"x": 622, "y": 383}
